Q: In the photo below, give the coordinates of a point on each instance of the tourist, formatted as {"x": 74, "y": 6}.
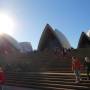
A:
{"x": 2, "y": 78}
{"x": 87, "y": 66}
{"x": 76, "y": 68}
{"x": 64, "y": 51}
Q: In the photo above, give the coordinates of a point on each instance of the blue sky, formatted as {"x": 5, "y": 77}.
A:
{"x": 69, "y": 16}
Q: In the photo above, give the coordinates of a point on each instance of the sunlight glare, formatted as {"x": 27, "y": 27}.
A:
{"x": 6, "y": 23}
{"x": 88, "y": 33}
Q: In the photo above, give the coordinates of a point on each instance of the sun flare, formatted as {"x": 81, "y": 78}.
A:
{"x": 6, "y": 23}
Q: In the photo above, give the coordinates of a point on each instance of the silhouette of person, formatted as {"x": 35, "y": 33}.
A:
{"x": 87, "y": 66}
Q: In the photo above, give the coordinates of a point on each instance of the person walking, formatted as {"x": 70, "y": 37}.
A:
{"x": 87, "y": 66}
{"x": 76, "y": 68}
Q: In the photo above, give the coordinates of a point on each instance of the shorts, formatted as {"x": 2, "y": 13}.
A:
{"x": 77, "y": 73}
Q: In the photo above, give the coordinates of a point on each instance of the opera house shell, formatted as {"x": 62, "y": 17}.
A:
{"x": 51, "y": 39}
{"x": 84, "y": 41}
{"x": 8, "y": 44}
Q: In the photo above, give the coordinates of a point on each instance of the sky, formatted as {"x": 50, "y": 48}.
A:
{"x": 71, "y": 17}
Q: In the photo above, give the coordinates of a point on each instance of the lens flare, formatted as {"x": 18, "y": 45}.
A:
{"x": 7, "y": 23}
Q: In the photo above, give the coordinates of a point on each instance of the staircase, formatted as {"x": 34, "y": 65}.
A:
{"x": 45, "y": 71}
{"x": 47, "y": 80}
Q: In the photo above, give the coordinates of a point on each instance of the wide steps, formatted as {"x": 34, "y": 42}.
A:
{"x": 82, "y": 83}
{"x": 35, "y": 84}
{"x": 38, "y": 87}
{"x": 48, "y": 81}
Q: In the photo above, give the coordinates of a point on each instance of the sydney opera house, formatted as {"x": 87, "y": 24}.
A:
{"x": 49, "y": 54}
{"x": 84, "y": 40}
{"x": 50, "y": 39}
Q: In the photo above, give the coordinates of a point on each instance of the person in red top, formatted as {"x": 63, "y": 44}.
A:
{"x": 76, "y": 68}
{"x": 2, "y": 78}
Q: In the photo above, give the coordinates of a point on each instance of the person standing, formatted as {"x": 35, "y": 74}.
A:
{"x": 87, "y": 66}
{"x": 2, "y": 78}
{"x": 76, "y": 68}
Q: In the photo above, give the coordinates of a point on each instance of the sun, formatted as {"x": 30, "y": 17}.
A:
{"x": 6, "y": 23}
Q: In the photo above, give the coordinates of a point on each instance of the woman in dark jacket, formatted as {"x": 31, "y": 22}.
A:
{"x": 87, "y": 66}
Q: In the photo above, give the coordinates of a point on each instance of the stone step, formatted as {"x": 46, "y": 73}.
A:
{"x": 55, "y": 79}
{"x": 38, "y": 87}
{"x": 66, "y": 86}
{"x": 56, "y": 85}
{"x": 44, "y": 76}
{"x": 82, "y": 83}
{"x": 53, "y": 82}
